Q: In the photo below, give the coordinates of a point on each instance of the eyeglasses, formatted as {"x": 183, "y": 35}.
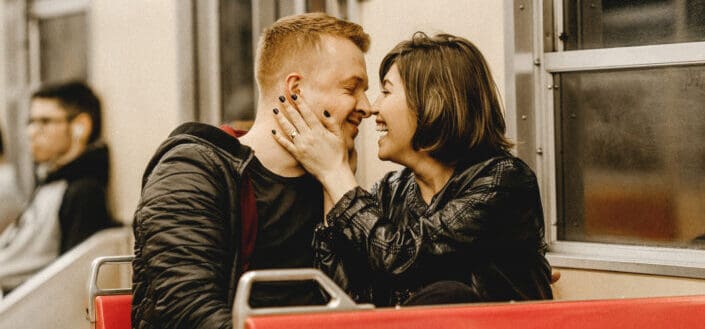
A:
{"x": 42, "y": 122}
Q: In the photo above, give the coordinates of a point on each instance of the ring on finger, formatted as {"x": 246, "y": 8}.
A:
{"x": 293, "y": 134}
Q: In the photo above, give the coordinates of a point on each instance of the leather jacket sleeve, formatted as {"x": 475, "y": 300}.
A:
{"x": 183, "y": 246}
{"x": 496, "y": 207}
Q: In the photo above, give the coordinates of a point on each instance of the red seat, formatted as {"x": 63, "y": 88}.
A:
{"x": 643, "y": 313}
{"x": 113, "y": 312}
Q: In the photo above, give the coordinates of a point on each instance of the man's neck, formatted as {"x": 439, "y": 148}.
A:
{"x": 273, "y": 156}
{"x": 74, "y": 152}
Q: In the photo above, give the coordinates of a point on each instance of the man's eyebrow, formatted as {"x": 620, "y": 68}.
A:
{"x": 351, "y": 80}
{"x": 355, "y": 80}
{"x": 386, "y": 81}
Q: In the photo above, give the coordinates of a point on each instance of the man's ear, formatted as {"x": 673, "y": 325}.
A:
{"x": 292, "y": 84}
{"x": 81, "y": 127}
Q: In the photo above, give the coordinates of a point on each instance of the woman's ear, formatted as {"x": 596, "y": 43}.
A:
{"x": 293, "y": 83}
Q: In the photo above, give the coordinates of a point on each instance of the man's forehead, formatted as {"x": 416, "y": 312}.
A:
{"x": 45, "y": 105}
{"x": 332, "y": 47}
{"x": 343, "y": 56}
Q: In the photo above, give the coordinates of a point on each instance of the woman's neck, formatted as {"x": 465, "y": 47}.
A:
{"x": 431, "y": 175}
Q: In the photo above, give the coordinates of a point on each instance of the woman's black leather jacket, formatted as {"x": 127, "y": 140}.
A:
{"x": 484, "y": 228}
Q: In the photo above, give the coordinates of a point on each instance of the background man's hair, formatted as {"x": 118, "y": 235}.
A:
{"x": 291, "y": 36}
{"x": 75, "y": 97}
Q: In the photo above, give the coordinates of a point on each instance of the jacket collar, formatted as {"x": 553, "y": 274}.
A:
{"x": 197, "y": 132}
{"x": 214, "y": 135}
{"x": 91, "y": 163}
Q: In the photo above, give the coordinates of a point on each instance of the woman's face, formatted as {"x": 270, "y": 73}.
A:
{"x": 396, "y": 122}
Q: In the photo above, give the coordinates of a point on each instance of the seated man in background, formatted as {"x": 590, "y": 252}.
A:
{"x": 214, "y": 206}
{"x": 69, "y": 202}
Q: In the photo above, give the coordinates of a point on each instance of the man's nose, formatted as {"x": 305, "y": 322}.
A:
{"x": 363, "y": 106}
{"x": 375, "y": 106}
{"x": 31, "y": 130}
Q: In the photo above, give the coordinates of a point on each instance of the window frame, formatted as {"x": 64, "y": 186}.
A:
{"x": 549, "y": 59}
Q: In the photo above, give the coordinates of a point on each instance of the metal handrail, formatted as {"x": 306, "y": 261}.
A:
{"x": 94, "y": 290}
{"x": 339, "y": 300}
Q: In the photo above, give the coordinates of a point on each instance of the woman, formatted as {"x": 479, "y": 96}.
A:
{"x": 462, "y": 222}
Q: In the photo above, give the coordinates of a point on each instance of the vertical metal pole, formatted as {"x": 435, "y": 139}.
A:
{"x": 354, "y": 11}
{"x": 208, "y": 30}
{"x": 299, "y": 7}
{"x": 187, "y": 54}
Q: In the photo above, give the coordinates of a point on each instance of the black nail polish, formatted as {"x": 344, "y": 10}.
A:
{"x": 274, "y": 132}
{"x": 282, "y": 99}
{"x": 326, "y": 114}
{"x": 275, "y": 110}
{"x": 294, "y": 97}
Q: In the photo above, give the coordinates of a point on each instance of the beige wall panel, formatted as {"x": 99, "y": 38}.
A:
{"x": 134, "y": 67}
{"x": 3, "y": 99}
{"x": 390, "y": 21}
{"x": 585, "y": 284}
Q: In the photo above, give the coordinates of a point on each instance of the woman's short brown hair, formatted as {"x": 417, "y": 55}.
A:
{"x": 290, "y": 36}
{"x": 449, "y": 86}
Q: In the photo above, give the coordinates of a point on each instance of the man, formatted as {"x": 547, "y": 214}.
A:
{"x": 189, "y": 225}
{"x": 69, "y": 203}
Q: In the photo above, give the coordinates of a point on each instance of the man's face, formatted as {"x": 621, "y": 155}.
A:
{"x": 338, "y": 83}
{"x": 48, "y": 129}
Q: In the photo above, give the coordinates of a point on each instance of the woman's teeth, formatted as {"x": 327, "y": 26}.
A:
{"x": 382, "y": 130}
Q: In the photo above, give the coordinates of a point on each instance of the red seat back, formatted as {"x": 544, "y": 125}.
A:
{"x": 113, "y": 312}
{"x": 644, "y": 313}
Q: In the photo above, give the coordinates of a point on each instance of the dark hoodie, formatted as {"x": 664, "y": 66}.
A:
{"x": 83, "y": 208}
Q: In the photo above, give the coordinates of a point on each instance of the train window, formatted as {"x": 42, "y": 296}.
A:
{"x": 609, "y": 113}
{"x": 236, "y": 58}
{"x": 630, "y": 163}
{"x": 63, "y": 48}
{"x": 58, "y": 40}
{"x": 619, "y": 23}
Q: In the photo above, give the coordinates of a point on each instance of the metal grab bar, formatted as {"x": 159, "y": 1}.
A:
{"x": 339, "y": 300}
{"x": 94, "y": 290}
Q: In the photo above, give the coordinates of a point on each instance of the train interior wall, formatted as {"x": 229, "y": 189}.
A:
{"x": 135, "y": 65}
